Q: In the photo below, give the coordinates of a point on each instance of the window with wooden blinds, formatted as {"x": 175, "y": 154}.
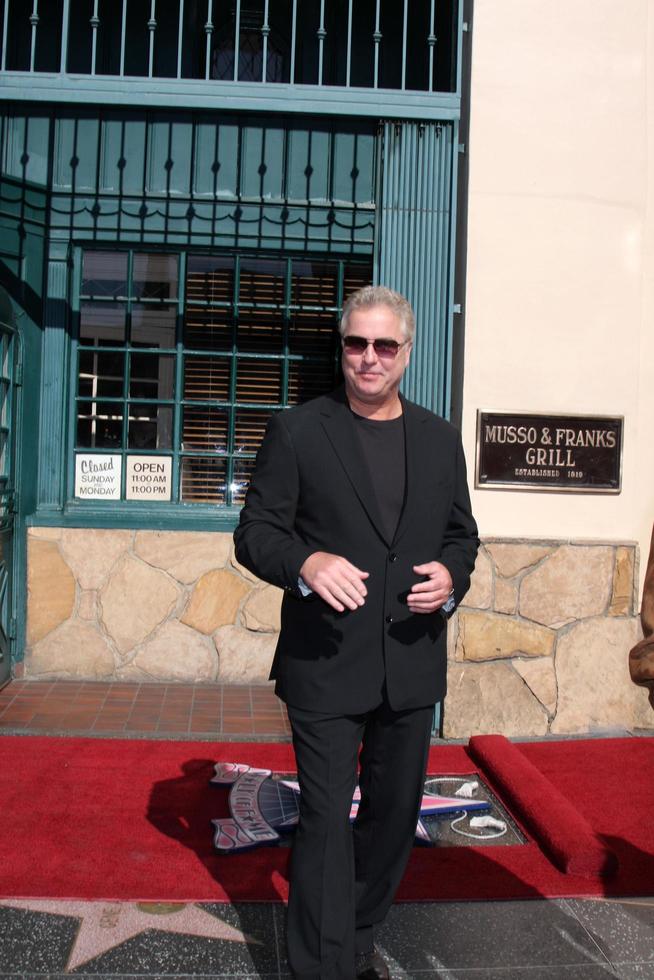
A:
{"x": 260, "y": 334}
{"x": 189, "y": 355}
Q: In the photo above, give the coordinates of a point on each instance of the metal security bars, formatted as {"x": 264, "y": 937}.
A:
{"x": 186, "y": 355}
{"x": 9, "y": 371}
{"x": 405, "y": 45}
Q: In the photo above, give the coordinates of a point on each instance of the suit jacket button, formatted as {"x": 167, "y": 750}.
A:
{"x": 389, "y": 619}
{"x": 392, "y": 556}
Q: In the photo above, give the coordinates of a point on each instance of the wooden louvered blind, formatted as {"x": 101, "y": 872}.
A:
{"x": 260, "y": 334}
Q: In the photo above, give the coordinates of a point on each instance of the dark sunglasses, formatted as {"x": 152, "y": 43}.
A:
{"x": 383, "y": 347}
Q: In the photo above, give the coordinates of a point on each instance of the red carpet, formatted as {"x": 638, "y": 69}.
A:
{"x": 96, "y": 818}
{"x": 565, "y": 836}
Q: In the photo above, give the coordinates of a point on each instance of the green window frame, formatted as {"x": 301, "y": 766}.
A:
{"x": 185, "y": 354}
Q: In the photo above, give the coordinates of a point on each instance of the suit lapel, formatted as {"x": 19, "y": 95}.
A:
{"x": 413, "y": 421}
{"x": 340, "y": 428}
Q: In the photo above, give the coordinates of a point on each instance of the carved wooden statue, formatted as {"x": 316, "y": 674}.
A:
{"x": 641, "y": 657}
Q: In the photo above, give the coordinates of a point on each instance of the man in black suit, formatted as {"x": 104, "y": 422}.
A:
{"x": 359, "y": 509}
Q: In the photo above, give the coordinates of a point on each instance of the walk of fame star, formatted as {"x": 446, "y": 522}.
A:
{"x": 261, "y": 805}
{"x": 104, "y": 925}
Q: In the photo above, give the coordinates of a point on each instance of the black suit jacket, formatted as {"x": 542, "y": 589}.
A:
{"x": 311, "y": 491}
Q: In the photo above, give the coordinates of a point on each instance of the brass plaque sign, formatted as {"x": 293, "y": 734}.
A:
{"x": 517, "y": 451}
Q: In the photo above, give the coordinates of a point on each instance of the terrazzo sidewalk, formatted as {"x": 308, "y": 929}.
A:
{"x": 532, "y": 940}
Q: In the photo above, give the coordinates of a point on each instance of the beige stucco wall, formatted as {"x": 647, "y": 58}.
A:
{"x": 560, "y": 279}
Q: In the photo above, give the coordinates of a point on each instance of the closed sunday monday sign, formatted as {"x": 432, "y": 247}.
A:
{"x": 549, "y": 452}
{"x": 97, "y": 476}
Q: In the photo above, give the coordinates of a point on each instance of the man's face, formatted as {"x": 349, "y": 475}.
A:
{"x": 371, "y": 377}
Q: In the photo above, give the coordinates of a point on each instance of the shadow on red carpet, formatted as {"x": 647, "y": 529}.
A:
{"x": 131, "y": 820}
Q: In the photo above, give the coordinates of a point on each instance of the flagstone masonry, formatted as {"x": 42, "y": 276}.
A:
{"x": 541, "y": 642}
{"x": 539, "y": 645}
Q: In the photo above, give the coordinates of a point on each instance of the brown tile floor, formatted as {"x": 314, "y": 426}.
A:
{"x": 145, "y": 710}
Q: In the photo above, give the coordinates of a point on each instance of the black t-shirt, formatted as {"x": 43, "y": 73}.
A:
{"x": 383, "y": 448}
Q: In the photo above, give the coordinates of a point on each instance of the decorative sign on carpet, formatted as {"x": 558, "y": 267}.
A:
{"x": 264, "y": 805}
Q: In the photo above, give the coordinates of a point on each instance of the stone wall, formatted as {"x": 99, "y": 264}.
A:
{"x": 540, "y": 644}
{"x": 145, "y": 606}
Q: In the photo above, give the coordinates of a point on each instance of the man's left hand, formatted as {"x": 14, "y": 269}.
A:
{"x": 428, "y": 596}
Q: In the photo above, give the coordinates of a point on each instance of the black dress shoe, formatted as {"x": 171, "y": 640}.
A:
{"x": 371, "y": 966}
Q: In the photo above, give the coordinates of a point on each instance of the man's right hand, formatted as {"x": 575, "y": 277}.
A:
{"x": 335, "y": 579}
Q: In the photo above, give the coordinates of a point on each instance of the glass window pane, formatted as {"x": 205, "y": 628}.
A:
{"x": 249, "y": 429}
{"x": 5, "y": 417}
{"x": 313, "y": 333}
{"x": 259, "y": 382}
{"x": 278, "y": 68}
{"x": 208, "y": 329}
{"x": 99, "y": 425}
{"x": 262, "y": 281}
{"x": 104, "y": 274}
{"x": 355, "y": 276}
{"x": 102, "y": 323}
{"x": 205, "y": 429}
{"x": 150, "y": 427}
{"x": 154, "y": 276}
{"x": 207, "y": 378}
{"x": 241, "y": 480}
{"x": 203, "y": 479}
{"x": 306, "y": 55}
{"x": 418, "y": 26}
{"x": 87, "y": 373}
{"x": 101, "y": 374}
{"x": 362, "y": 70}
{"x": 308, "y": 379}
{"x": 250, "y": 45}
{"x": 110, "y": 373}
{"x": 335, "y": 44}
{"x": 85, "y": 386}
{"x": 6, "y": 356}
{"x": 152, "y": 376}
{"x": 210, "y": 278}
{"x": 314, "y": 283}
{"x": 222, "y": 56}
{"x": 259, "y": 332}
{"x": 19, "y": 37}
{"x": 136, "y": 52}
{"x": 153, "y": 327}
{"x": 84, "y": 432}
{"x": 390, "y": 48}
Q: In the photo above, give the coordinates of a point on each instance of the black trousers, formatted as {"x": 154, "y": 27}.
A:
{"x": 343, "y": 877}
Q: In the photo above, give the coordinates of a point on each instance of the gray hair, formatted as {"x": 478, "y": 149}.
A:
{"x": 369, "y": 296}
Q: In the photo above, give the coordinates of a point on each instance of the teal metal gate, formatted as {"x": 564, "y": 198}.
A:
{"x": 415, "y": 246}
{"x": 9, "y": 382}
